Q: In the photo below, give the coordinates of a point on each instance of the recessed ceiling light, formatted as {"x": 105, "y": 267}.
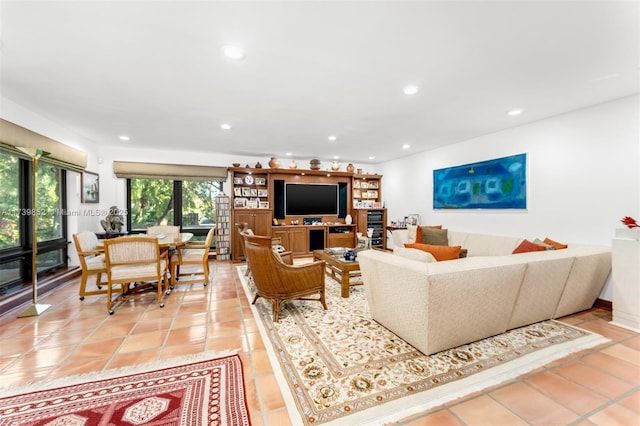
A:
{"x": 233, "y": 52}
{"x": 125, "y": 138}
{"x": 411, "y": 90}
{"x": 336, "y": 157}
{"x": 514, "y": 112}
{"x": 288, "y": 154}
{"x": 406, "y": 146}
{"x": 225, "y": 126}
{"x": 372, "y": 158}
{"x": 332, "y": 138}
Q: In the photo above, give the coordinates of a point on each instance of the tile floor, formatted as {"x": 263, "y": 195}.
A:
{"x": 593, "y": 387}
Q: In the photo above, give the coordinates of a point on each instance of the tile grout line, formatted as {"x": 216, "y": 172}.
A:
{"x": 239, "y": 293}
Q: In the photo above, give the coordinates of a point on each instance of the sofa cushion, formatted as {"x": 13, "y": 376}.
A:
{"x": 555, "y": 244}
{"x": 527, "y": 246}
{"x": 434, "y": 236}
{"x": 457, "y": 238}
{"x": 401, "y": 236}
{"x": 414, "y": 254}
{"x": 420, "y": 235}
{"x": 439, "y": 252}
{"x": 489, "y": 245}
{"x": 412, "y": 231}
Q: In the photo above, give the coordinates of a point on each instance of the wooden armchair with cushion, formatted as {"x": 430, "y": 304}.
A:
{"x": 91, "y": 262}
{"x": 279, "y": 281}
{"x": 136, "y": 260}
{"x": 196, "y": 258}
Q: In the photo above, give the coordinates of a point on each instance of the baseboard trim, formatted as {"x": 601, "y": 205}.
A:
{"x": 25, "y": 295}
{"x": 607, "y": 305}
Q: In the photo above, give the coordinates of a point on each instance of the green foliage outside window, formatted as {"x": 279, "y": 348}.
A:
{"x": 9, "y": 201}
{"x": 151, "y": 203}
{"x": 198, "y": 203}
{"x": 48, "y": 202}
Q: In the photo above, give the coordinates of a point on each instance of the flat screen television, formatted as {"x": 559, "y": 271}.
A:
{"x": 310, "y": 199}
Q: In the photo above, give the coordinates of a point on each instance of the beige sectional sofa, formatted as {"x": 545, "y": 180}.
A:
{"x": 440, "y": 305}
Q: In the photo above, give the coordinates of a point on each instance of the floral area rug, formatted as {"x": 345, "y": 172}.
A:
{"x": 205, "y": 392}
{"x": 339, "y": 366}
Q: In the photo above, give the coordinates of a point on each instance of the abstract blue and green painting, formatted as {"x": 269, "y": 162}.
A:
{"x": 500, "y": 183}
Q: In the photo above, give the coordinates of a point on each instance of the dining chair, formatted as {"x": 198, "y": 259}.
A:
{"x": 91, "y": 262}
{"x": 167, "y": 230}
{"x": 196, "y": 258}
{"x": 136, "y": 263}
{"x": 276, "y": 280}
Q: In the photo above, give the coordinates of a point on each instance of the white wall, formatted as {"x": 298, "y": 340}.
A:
{"x": 583, "y": 177}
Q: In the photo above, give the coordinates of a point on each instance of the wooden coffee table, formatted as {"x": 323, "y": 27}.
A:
{"x": 340, "y": 269}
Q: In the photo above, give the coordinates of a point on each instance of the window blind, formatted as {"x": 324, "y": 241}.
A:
{"x": 13, "y": 136}
{"x": 130, "y": 169}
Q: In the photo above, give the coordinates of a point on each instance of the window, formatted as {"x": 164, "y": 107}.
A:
{"x": 198, "y": 206}
{"x": 9, "y": 201}
{"x": 190, "y": 204}
{"x": 16, "y": 220}
{"x": 151, "y": 203}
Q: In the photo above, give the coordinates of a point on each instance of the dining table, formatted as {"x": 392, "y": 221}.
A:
{"x": 165, "y": 242}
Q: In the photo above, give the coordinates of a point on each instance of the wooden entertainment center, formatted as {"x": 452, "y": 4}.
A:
{"x": 258, "y": 198}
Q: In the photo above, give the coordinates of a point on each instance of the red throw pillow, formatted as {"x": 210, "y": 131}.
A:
{"x": 555, "y": 244}
{"x": 438, "y": 252}
{"x": 527, "y": 246}
{"x": 419, "y": 231}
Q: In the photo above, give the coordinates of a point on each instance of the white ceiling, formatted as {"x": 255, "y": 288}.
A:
{"x": 153, "y": 70}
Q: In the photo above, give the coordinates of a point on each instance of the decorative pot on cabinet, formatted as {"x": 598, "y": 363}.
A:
{"x": 315, "y": 164}
{"x": 350, "y": 168}
{"x": 274, "y": 163}
{"x": 335, "y": 165}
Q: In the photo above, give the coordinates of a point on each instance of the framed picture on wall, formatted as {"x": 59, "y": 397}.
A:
{"x": 89, "y": 187}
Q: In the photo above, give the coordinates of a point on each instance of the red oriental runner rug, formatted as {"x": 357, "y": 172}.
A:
{"x": 206, "y": 392}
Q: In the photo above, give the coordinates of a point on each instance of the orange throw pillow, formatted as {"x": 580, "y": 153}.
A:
{"x": 439, "y": 252}
{"x": 419, "y": 231}
{"x": 555, "y": 244}
{"x": 527, "y": 246}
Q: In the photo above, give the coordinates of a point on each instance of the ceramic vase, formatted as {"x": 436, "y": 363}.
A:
{"x": 350, "y": 168}
{"x": 293, "y": 164}
{"x": 335, "y": 166}
{"x": 274, "y": 163}
{"x": 348, "y": 219}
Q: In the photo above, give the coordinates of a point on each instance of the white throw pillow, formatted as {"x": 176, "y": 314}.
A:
{"x": 411, "y": 233}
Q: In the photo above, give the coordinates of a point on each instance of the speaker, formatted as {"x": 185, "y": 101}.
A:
{"x": 343, "y": 197}
{"x": 278, "y": 199}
